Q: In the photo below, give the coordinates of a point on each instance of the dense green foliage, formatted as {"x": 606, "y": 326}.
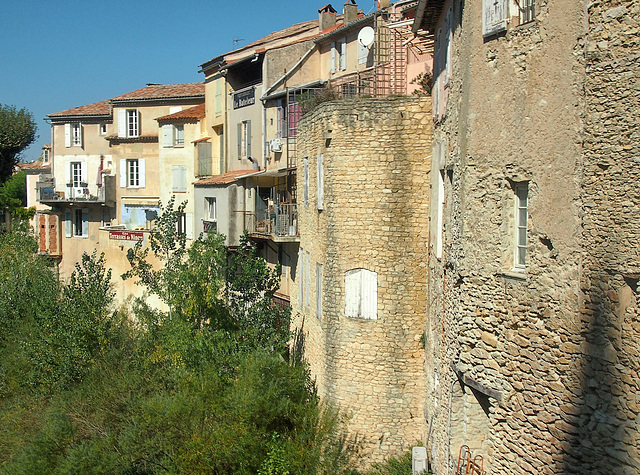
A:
{"x": 204, "y": 388}
{"x": 17, "y": 131}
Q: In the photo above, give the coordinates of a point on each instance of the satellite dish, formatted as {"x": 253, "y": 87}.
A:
{"x": 366, "y": 36}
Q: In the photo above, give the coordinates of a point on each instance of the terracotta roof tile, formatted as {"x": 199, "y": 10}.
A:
{"x": 37, "y": 165}
{"x": 97, "y": 108}
{"x": 163, "y": 91}
{"x": 196, "y": 112}
{"x": 223, "y": 179}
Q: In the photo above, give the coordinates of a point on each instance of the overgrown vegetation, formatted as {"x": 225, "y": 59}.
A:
{"x": 17, "y": 132}
{"x": 206, "y": 387}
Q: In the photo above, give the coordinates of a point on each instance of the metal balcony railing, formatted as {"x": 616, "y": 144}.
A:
{"x": 80, "y": 192}
{"x": 280, "y": 220}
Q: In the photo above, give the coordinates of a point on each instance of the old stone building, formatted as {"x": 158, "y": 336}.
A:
{"x": 361, "y": 272}
{"x": 532, "y": 307}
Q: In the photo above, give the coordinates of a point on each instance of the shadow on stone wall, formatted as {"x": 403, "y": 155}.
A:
{"x": 600, "y": 430}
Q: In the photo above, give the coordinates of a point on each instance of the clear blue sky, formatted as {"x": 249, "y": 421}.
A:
{"x": 59, "y": 54}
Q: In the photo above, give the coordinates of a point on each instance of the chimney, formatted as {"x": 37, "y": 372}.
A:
{"x": 350, "y": 11}
{"x": 327, "y": 17}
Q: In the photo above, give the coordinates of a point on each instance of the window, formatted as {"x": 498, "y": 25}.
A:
{"x": 77, "y": 223}
{"x": 76, "y": 174}
{"x": 73, "y": 135}
{"x": 179, "y": 178}
{"x": 103, "y": 129}
{"x": 244, "y": 139}
{"x": 132, "y": 123}
{"x": 521, "y": 202}
{"x": 132, "y": 173}
{"x": 185, "y": 225}
{"x": 527, "y": 10}
{"x": 173, "y": 135}
{"x": 361, "y": 294}
{"x": 319, "y": 291}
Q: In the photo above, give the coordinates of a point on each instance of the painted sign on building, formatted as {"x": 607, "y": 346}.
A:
{"x": 244, "y": 98}
{"x": 126, "y": 235}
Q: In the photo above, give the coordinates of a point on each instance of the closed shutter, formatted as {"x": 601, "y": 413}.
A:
{"x": 306, "y": 181}
{"x": 307, "y": 273}
{"x": 85, "y": 223}
{"x": 122, "y": 123}
{"x": 68, "y": 227}
{"x": 141, "y": 169}
{"x": 333, "y": 57}
{"x": 239, "y": 140}
{"x": 80, "y": 134}
{"x": 320, "y": 181}
{"x": 369, "y": 305}
{"x": 84, "y": 176}
{"x": 352, "y": 289}
{"x": 67, "y": 173}
{"x": 249, "y": 138}
{"x": 300, "y": 278}
{"x": 179, "y": 178}
{"x": 343, "y": 54}
{"x": 494, "y": 17}
{"x": 67, "y": 135}
{"x": 167, "y": 135}
{"x": 319, "y": 291}
{"x": 123, "y": 173}
{"x": 189, "y": 225}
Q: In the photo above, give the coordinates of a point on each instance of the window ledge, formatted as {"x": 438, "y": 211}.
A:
{"x": 514, "y": 274}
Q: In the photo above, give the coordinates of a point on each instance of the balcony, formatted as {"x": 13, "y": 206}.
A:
{"x": 278, "y": 223}
{"x": 85, "y": 193}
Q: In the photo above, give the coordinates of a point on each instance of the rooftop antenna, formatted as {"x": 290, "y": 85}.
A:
{"x": 236, "y": 40}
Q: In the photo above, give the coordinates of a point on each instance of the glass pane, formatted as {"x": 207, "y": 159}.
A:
{"x": 522, "y": 215}
{"x": 522, "y": 236}
{"x": 522, "y": 252}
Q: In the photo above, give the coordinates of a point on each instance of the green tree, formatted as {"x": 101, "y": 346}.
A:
{"x": 17, "y": 131}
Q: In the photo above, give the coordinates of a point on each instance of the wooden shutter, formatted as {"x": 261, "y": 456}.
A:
{"x": 369, "y": 295}
{"x": 122, "y": 123}
{"x": 167, "y": 135}
{"x": 319, "y": 291}
{"x": 141, "y": 171}
{"x": 352, "y": 289}
{"x": 306, "y": 181}
{"x": 248, "y": 138}
{"x": 84, "y": 176}
{"x": 239, "y": 140}
{"x": 300, "y": 278}
{"x": 67, "y": 135}
{"x": 333, "y": 57}
{"x": 363, "y": 52}
{"x": 343, "y": 54}
{"x": 189, "y": 225}
{"x": 179, "y": 178}
{"x": 307, "y": 273}
{"x": 494, "y": 17}
{"x": 123, "y": 173}
{"x": 320, "y": 182}
{"x": 81, "y": 135}
{"x": 68, "y": 227}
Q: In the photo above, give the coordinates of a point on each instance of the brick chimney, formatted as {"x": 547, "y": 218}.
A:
{"x": 350, "y": 11}
{"x": 327, "y": 17}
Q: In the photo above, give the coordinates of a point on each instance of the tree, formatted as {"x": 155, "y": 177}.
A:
{"x": 17, "y": 131}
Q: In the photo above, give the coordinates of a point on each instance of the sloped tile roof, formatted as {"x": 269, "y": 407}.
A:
{"x": 196, "y": 112}
{"x": 37, "y": 165}
{"x": 223, "y": 179}
{"x": 163, "y": 91}
{"x": 97, "y": 108}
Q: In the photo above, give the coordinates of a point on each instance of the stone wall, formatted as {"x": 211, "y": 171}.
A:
{"x": 552, "y": 347}
{"x": 375, "y": 217}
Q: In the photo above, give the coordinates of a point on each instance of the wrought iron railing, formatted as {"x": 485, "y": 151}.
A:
{"x": 280, "y": 220}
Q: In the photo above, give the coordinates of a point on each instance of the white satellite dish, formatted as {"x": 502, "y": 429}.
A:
{"x": 366, "y": 36}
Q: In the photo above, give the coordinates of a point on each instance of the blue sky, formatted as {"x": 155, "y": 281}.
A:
{"x": 55, "y": 55}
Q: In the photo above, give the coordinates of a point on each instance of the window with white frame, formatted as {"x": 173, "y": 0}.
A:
{"x": 73, "y": 135}
{"x": 76, "y": 135}
{"x": 103, "y": 129}
{"x": 132, "y": 173}
{"x": 210, "y": 206}
{"x": 521, "y": 192}
{"x": 527, "y": 10}
{"x": 361, "y": 294}
{"x": 173, "y": 135}
{"x": 133, "y": 129}
{"x": 76, "y": 174}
